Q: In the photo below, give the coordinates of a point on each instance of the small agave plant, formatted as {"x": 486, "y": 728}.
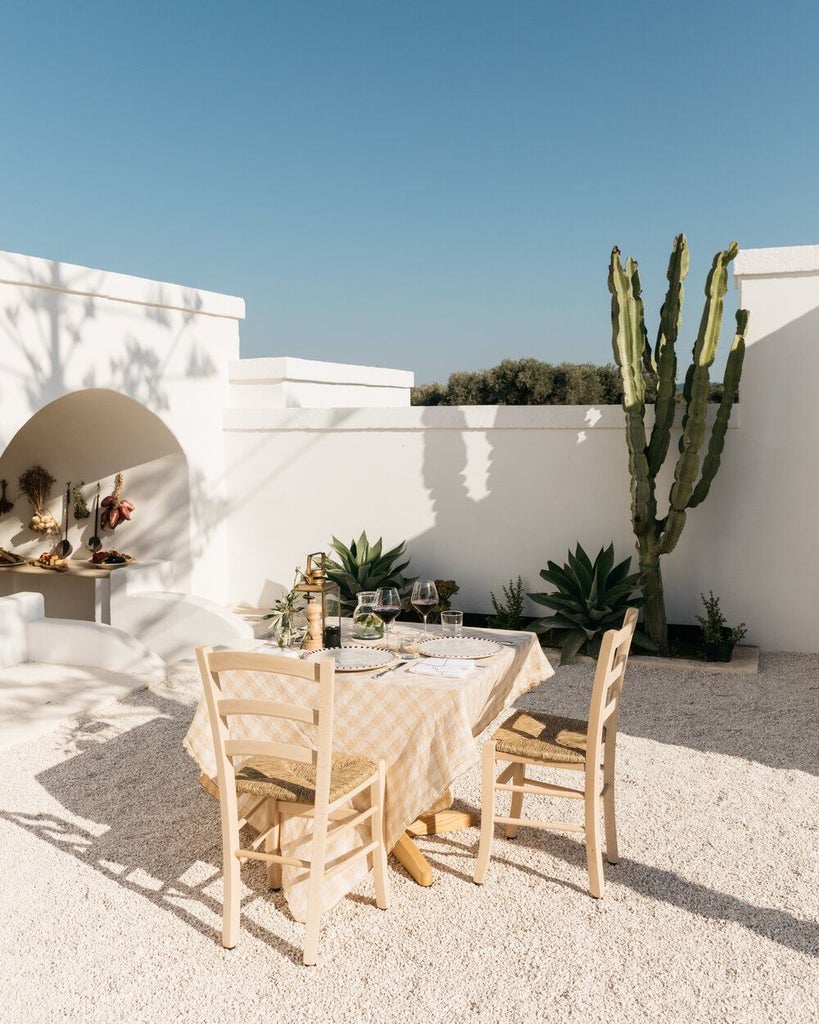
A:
{"x": 591, "y": 598}
{"x": 365, "y": 566}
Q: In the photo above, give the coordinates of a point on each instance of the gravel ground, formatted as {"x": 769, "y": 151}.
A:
{"x": 110, "y": 888}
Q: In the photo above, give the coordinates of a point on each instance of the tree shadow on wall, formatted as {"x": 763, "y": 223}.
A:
{"x": 45, "y": 328}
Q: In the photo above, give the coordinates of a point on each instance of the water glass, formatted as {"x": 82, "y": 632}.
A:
{"x": 452, "y": 623}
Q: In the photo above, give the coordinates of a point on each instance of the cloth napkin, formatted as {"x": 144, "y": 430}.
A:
{"x": 450, "y": 668}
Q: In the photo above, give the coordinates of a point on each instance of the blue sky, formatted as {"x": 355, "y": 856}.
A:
{"x": 433, "y": 186}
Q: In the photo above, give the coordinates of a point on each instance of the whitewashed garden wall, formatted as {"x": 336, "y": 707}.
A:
{"x": 241, "y": 467}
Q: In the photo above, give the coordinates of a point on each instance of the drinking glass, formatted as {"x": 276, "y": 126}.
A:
{"x": 424, "y": 598}
{"x": 387, "y": 604}
{"x": 452, "y": 623}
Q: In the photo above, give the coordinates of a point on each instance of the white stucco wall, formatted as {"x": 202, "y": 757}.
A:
{"x": 481, "y": 494}
{"x": 288, "y": 383}
{"x": 769, "y": 491}
{"x": 239, "y": 468}
{"x": 69, "y": 330}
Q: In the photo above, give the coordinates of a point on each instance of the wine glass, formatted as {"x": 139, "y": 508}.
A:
{"x": 387, "y": 605}
{"x": 424, "y": 598}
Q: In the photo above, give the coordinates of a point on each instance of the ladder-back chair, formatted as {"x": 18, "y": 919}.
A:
{"x": 572, "y": 744}
{"x": 302, "y": 779}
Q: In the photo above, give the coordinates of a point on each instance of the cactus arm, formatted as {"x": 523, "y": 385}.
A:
{"x": 697, "y": 385}
{"x": 629, "y": 343}
{"x": 733, "y": 372}
{"x": 629, "y": 337}
{"x": 665, "y": 355}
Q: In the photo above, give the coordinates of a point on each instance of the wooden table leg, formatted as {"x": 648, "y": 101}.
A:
{"x": 411, "y": 858}
{"x": 439, "y": 818}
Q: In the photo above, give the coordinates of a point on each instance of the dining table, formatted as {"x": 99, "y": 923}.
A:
{"x": 422, "y": 716}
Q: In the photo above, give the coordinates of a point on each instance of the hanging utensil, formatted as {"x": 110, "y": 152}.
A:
{"x": 94, "y": 543}
{"x": 64, "y": 548}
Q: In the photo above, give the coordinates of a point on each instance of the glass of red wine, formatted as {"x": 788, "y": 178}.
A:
{"x": 387, "y": 605}
{"x": 424, "y": 598}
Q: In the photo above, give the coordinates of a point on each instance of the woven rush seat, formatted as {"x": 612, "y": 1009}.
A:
{"x": 543, "y": 736}
{"x": 281, "y": 779}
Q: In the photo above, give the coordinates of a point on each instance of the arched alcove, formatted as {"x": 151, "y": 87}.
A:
{"x": 89, "y": 436}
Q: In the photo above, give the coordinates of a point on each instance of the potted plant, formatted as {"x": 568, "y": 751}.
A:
{"x": 718, "y": 638}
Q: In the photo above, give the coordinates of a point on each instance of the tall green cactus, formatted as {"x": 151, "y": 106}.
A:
{"x": 633, "y": 354}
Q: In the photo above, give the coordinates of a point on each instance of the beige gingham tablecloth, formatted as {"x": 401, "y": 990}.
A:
{"x": 423, "y": 727}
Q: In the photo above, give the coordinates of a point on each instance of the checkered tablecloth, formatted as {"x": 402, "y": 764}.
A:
{"x": 423, "y": 727}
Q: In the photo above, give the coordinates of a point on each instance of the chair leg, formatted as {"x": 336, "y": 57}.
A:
{"x": 594, "y": 856}
{"x": 382, "y": 885}
{"x": 231, "y": 899}
{"x": 487, "y": 811}
{"x": 609, "y": 817}
{"x": 612, "y": 853}
{"x": 273, "y": 844}
{"x": 314, "y": 890}
{"x": 516, "y": 809}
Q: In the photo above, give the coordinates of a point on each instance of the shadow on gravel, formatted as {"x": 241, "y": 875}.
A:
{"x": 651, "y": 882}
{"x": 769, "y": 718}
{"x": 156, "y": 832}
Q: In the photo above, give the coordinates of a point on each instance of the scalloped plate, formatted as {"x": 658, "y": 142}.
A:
{"x": 466, "y": 647}
{"x": 353, "y": 659}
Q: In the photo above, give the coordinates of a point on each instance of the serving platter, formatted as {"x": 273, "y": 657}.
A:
{"x": 51, "y": 568}
{"x": 10, "y": 559}
{"x": 466, "y": 647}
{"x": 353, "y": 659}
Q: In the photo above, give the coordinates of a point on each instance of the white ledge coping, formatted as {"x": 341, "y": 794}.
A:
{"x": 442, "y": 417}
{"x": 314, "y": 371}
{"x": 35, "y": 272}
{"x": 792, "y": 259}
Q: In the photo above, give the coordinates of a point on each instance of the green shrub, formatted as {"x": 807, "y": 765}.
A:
{"x": 713, "y": 623}
{"x": 526, "y": 382}
{"x": 509, "y": 612}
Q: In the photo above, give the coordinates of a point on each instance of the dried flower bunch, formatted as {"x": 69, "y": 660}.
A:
{"x": 81, "y": 510}
{"x": 36, "y": 484}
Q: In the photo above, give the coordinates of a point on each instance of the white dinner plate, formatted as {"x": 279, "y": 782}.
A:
{"x": 353, "y": 659}
{"x": 459, "y": 647}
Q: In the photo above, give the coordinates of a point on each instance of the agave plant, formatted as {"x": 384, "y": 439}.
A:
{"x": 591, "y": 597}
{"x": 365, "y": 566}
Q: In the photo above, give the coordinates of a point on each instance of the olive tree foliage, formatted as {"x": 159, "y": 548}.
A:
{"x": 532, "y": 382}
{"x": 526, "y": 382}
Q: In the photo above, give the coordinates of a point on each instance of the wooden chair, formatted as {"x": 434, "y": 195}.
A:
{"x": 550, "y": 741}
{"x": 290, "y": 780}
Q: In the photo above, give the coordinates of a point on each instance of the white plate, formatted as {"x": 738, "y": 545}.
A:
{"x": 353, "y": 659}
{"x": 459, "y": 647}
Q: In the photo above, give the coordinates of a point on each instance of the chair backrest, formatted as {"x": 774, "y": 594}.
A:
{"x": 608, "y": 685}
{"x": 244, "y": 727}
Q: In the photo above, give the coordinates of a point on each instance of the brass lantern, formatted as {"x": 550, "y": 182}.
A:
{"x": 323, "y": 605}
